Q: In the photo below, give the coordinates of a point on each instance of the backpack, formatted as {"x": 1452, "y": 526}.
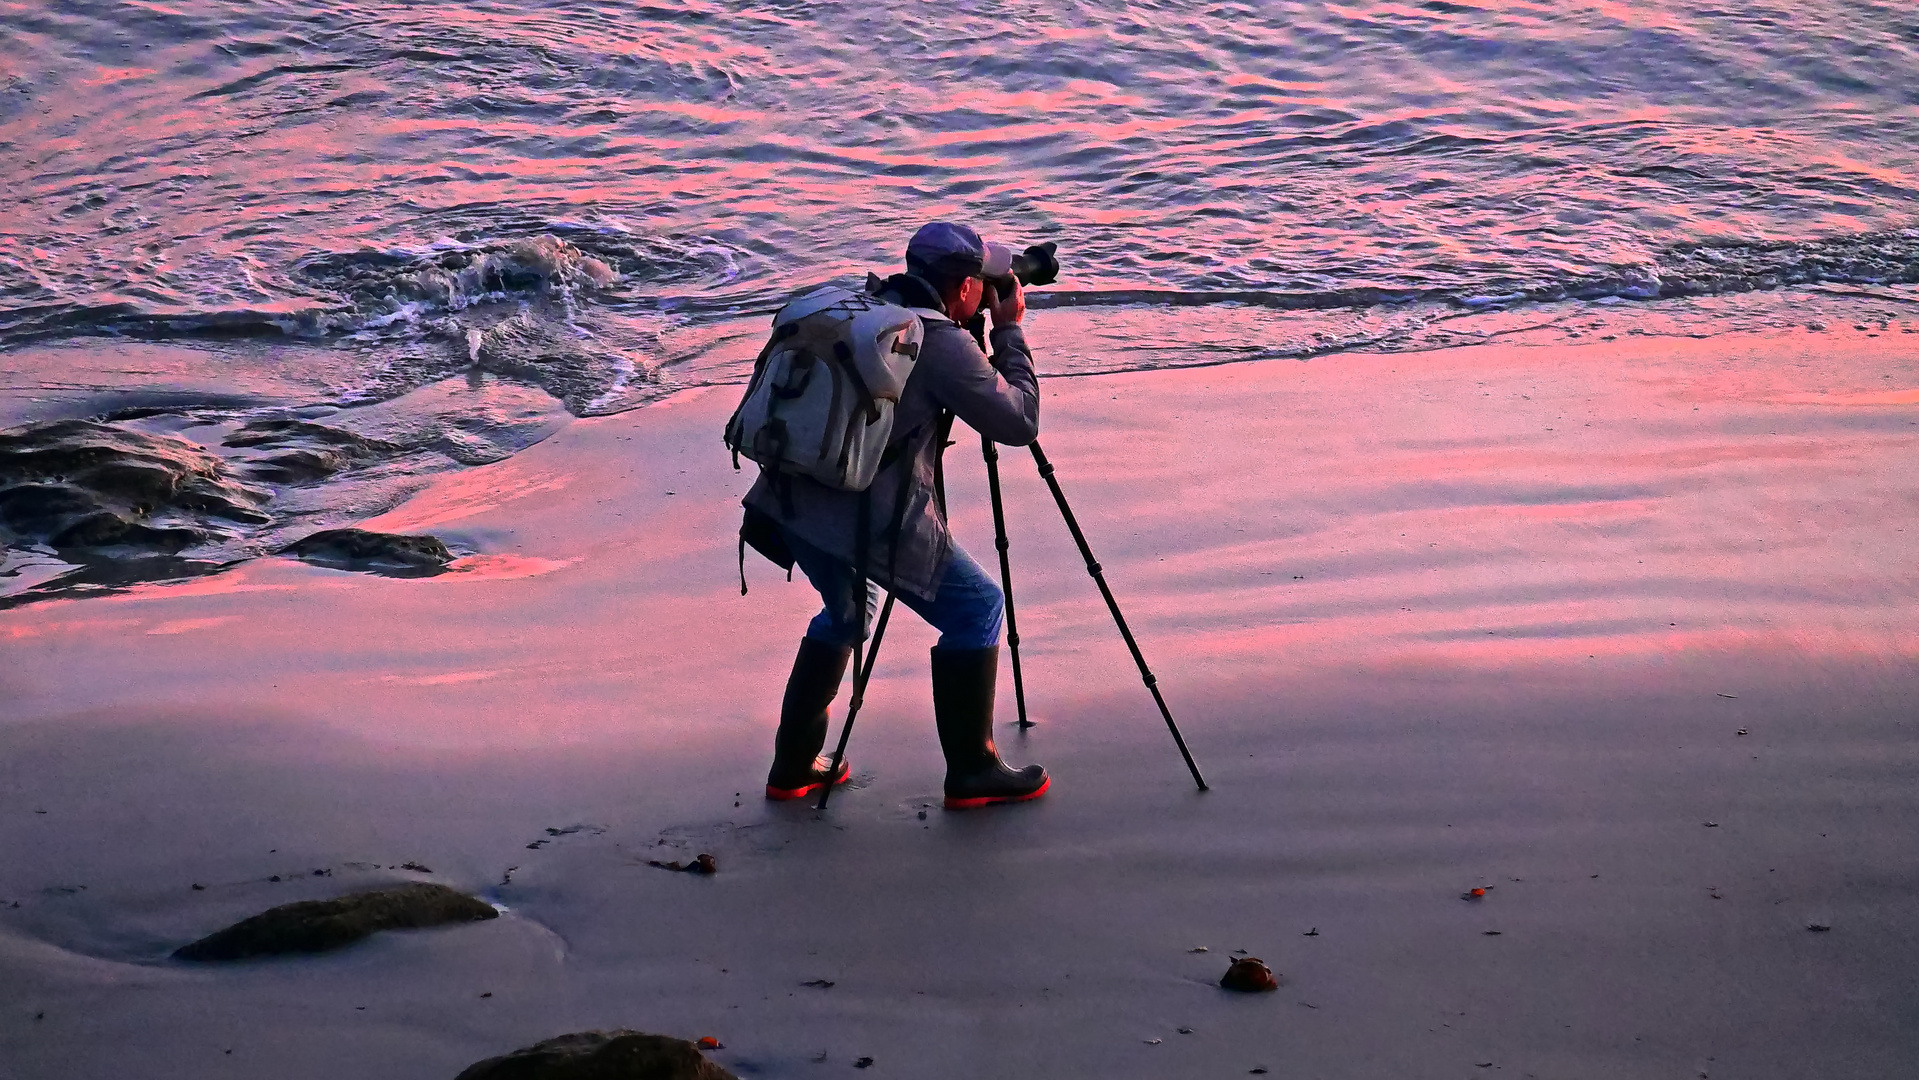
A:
{"x": 821, "y": 400}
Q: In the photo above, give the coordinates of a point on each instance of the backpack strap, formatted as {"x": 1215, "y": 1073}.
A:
{"x": 896, "y": 528}
{"x": 942, "y": 428}
{"x": 844, "y": 354}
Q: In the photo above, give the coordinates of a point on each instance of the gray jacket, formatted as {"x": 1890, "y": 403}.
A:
{"x": 999, "y": 399}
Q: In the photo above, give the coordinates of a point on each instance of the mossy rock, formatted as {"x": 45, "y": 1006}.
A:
{"x": 312, "y": 926}
{"x": 601, "y": 1055}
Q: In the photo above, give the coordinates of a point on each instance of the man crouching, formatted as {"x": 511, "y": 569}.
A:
{"x": 906, "y": 547}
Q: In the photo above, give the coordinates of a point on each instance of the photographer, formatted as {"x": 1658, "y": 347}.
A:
{"x": 906, "y": 547}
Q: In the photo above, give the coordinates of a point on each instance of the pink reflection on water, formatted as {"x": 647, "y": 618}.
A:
{"x": 463, "y": 495}
{"x": 114, "y": 75}
{"x": 445, "y": 678}
{"x": 187, "y": 626}
{"x": 505, "y": 567}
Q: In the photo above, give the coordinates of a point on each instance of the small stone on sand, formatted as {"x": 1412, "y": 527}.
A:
{"x": 318, "y": 925}
{"x": 601, "y": 1055}
{"x": 1249, "y": 975}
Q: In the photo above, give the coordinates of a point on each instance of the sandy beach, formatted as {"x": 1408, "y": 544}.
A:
{"x": 1624, "y": 634}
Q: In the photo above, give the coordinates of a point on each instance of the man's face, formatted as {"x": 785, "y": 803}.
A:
{"x": 966, "y": 304}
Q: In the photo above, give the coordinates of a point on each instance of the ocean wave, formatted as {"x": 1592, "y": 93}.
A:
{"x": 340, "y": 293}
{"x": 598, "y": 315}
{"x": 126, "y": 318}
{"x": 381, "y": 285}
{"x": 1683, "y": 270}
{"x": 575, "y": 265}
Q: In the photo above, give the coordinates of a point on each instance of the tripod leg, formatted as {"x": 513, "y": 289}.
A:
{"x": 991, "y": 453}
{"x": 862, "y": 671}
{"x": 1093, "y": 568}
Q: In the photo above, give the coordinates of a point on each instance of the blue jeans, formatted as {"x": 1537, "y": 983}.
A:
{"x": 967, "y": 609}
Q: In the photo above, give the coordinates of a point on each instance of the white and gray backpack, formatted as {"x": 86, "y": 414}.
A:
{"x": 821, "y": 400}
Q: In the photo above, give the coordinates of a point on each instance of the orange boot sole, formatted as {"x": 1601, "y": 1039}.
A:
{"x": 988, "y": 800}
{"x": 780, "y": 794}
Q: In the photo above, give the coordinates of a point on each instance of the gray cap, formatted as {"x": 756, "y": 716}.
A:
{"x": 945, "y": 250}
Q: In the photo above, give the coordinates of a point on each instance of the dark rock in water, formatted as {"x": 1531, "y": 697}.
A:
{"x": 1249, "y": 975}
{"x": 318, "y": 925}
{"x": 77, "y": 485}
{"x": 392, "y": 554}
{"x": 50, "y": 502}
{"x": 601, "y": 1055}
{"x": 284, "y": 432}
{"x": 307, "y": 451}
{"x": 104, "y": 528}
{"x": 299, "y": 466}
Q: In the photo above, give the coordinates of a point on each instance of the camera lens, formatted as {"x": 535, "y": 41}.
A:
{"x": 1037, "y": 265}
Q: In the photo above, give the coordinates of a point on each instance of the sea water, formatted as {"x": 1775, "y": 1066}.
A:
{"x": 375, "y": 240}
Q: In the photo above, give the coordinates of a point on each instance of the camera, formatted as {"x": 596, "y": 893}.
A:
{"x": 1037, "y": 265}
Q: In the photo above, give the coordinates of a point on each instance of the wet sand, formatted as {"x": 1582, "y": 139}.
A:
{"x": 1624, "y": 634}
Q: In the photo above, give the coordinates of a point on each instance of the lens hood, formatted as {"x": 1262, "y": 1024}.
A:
{"x": 1037, "y": 265}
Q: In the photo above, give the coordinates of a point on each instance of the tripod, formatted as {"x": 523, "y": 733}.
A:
{"x": 863, "y": 666}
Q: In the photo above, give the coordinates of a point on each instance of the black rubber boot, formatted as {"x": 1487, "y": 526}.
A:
{"x": 798, "y": 769}
{"x": 964, "y": 681}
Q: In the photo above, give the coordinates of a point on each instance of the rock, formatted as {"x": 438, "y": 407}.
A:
{"x": 299, "y": 466}
{"x": 280, "y": 432}
{"x": 601, "y": 1055}
{"x": 78, "y": 484}
{"x": 104, "y": 528}
{"x": 1249, "y": 975}
{"x": 381, "y": 553}
{"x": 318, "y": 925}
{"x": 303, "y": 451}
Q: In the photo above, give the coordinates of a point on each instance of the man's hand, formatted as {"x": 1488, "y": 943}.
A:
{"x": 1007, "y": 309}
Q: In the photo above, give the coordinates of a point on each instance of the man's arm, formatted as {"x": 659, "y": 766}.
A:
{"x": 999, "y": 399}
